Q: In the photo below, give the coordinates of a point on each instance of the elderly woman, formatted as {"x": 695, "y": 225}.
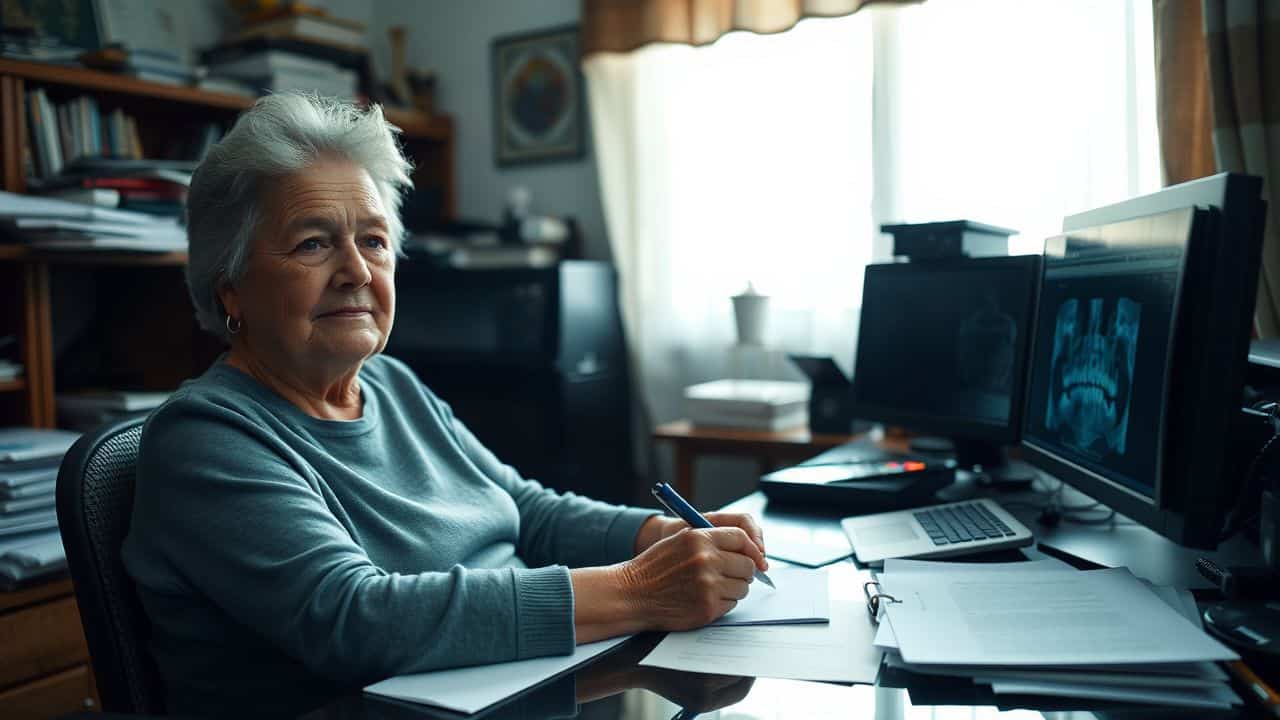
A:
{"x": 308, "y": 514}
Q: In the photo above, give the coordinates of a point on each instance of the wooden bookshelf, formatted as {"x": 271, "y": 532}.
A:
{"x": 88, "y": 319}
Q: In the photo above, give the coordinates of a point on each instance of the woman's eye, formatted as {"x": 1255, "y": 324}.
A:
{"x": 373, "y": 241}
{"x": 310, "y": 245}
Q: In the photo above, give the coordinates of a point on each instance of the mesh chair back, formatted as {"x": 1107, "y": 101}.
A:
{"x": 95, "y": 501}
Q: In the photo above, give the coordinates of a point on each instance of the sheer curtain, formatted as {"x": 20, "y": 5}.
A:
{"x": 747, "y": 160}
{"x": 773, "y": 159}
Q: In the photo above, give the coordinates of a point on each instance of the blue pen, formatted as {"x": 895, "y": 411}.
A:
{"x": 679, "y": 507}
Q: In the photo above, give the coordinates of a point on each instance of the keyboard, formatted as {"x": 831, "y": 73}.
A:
{"x": 944, "y": 530}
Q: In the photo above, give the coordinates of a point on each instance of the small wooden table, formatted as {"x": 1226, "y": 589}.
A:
{"x": 770, "y": 449}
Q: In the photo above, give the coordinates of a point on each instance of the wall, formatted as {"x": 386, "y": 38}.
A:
{"x": 455, "y": 39}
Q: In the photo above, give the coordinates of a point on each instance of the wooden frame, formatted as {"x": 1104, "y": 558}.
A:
{"x": 537, "y": 97}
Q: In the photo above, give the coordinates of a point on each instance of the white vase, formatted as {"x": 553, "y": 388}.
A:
{"x": 750, "y": 313}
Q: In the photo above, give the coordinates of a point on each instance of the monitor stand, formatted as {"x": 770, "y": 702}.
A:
{"x": 986, "y": 459}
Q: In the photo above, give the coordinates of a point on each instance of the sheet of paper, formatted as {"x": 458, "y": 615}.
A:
{"x": 471, "y": 689}
{"x": 800, "y": 597}
{"x": 839, "y": 651}
{"x": 1220, "y": 696}
{"x": 1040, "y": 618}
{"x": 807, "y": 545}
{"x": 886, "y": 640}
{"x": 1198, "y": 673}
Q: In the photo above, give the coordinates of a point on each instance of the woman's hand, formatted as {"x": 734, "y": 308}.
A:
{"x": 658, "y": 527}
{"x": 690, "y": 578}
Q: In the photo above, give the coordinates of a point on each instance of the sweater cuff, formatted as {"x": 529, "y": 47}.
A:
{"x": 544, "y": 612}
{"x": 620, "y": 539}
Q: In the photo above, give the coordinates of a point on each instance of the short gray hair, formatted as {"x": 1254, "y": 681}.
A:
{"x": 279, "y": 135}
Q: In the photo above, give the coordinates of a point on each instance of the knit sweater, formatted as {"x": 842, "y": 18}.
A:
{"x": 277, "y": 554}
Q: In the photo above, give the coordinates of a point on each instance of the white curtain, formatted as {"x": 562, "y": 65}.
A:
{"x": 748, "y": 160}
{"x": 773, "y": 159}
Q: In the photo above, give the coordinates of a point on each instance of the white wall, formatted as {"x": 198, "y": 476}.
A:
{"x": 455, "y": 39}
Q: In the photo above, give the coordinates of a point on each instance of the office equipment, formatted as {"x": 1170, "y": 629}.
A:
{"x": 944, "y": 530}
{"x": 472, "y": 689}
{"x": 679, "y": 507}
{"x": 95, "y": 500}
{"x": 942, "y": 349}
{"x": 830, "y": 395}
{"x": 882, "y": 482}
{"x": 533, "y": 362}
{"x": 840, "y": 651}
{"x": 748, "y": 404}
{"x": 948, "y": 240}
{"x": 1136, "y": 372}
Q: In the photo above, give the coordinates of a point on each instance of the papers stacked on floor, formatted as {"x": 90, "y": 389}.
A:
{"x": 1044, "y": 628}
{"x": 29, "y": 541}
{"x": 836, "y": 651}
{"x": 53, "y": 224}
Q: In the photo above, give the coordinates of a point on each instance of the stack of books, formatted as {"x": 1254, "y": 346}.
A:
{"x": 267, "y": 70}
{"x": 52, "y": 224}
{"x": 748, "y": 404}
{"x": 88, "y": 409}
{"x": 293, "y": 47}
{"x": 1042, "y": 628}
{"x": 30, "y": 546}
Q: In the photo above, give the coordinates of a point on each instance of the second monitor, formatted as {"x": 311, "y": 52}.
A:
{"x": 942, "y": 349}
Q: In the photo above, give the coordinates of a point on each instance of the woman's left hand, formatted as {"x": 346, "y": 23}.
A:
{"x": 659, "y": 527}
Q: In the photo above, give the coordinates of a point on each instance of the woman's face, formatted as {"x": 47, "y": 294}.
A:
{"x": 318, "y": 293}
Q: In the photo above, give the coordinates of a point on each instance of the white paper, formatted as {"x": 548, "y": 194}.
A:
{"x": 1220, "y": 696}
{"x": 839, "y": 651}
{"x": 800, "y": 597}
{"x": 886, "y": 640}
{"x": 1040, "y": 618}
{"x": 471, "y": 689}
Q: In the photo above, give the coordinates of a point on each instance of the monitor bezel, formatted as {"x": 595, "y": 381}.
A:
{"x": 1194, "y": 224}
{"x": 955, "y": 427}
{"x": 1224, "y": 264}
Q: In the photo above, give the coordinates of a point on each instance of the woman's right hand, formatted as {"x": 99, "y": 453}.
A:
{"x": 691, "y": 578}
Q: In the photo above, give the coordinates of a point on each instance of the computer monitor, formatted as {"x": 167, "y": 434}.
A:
{"x": 942, "y": 349}
{"x": 1140, "y": 345}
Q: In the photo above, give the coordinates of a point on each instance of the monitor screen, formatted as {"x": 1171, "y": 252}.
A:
{"x": 942, "y": 345}
{"x": 1098, "y": 381}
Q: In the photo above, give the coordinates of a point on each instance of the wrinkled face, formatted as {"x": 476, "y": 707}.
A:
{"x": 318, "y": 290}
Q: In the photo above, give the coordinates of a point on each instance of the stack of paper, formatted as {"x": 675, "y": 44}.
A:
{"x": 53, "y": 224}
{"x": 29, "y": 542}
{"x": 838, "y": 650}
{"x": 1043, "y": 628}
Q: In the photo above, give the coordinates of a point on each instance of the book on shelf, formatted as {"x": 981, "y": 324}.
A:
{"x": 21, "y": 444}
{"x": 96, "y": 196}
{"x": 312, "y": 28}
{"x": 482, "y": 257}
{"x": 10, "y": 370}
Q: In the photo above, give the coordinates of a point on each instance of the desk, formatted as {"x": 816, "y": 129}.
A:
{"x": 770, "y": 449}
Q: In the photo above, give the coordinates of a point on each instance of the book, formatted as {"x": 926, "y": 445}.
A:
{"x": 19, "y": 444}
{"x": 750, "y": 404}
{"x": 312, "y": 28}
{"x": 28, "y": 473}
{"x": 503, "y": 256}
{"x": 264, "y": 63}
{"x": 96, "y": 196}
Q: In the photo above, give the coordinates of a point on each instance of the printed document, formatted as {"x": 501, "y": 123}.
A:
{"x": 472, "y": 689}
{"x": 1040, "y": 618}
{"x": 838, "y": 651}
{"x": 801, "y": 597}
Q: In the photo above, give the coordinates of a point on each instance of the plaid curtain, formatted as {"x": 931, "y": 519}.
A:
{"x": 1243, "y": 42}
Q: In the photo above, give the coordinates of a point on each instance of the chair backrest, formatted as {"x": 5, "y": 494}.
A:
{"x": 95, "y": 501}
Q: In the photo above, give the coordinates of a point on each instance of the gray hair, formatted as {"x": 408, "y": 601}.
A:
{"x": 279, "y": 135}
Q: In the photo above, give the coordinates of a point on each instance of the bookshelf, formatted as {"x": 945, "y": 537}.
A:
{"x": 114, "y": 320}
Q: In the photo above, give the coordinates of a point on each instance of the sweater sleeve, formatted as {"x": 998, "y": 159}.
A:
{"x": 224, "y": 508}
{"x": 556, "y": 527}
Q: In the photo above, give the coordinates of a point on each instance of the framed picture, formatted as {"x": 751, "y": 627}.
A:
{"x": 537, "y": 97}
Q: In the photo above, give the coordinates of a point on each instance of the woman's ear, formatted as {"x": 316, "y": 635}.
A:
{"x": 230, "y": 301}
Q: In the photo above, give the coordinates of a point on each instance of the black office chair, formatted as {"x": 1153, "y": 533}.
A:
{"x": 95, "y": 500}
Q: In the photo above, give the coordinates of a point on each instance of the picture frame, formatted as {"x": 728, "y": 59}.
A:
{"x": 537, "y": 97}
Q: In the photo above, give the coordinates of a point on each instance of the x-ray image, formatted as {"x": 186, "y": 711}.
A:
{"x": 1094, "y": 351}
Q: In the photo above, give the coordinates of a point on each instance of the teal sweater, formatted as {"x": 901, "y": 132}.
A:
{"x": 280, "y": 555}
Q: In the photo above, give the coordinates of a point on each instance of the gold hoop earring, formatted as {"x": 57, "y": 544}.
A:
{"x": 236, "y": 329}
